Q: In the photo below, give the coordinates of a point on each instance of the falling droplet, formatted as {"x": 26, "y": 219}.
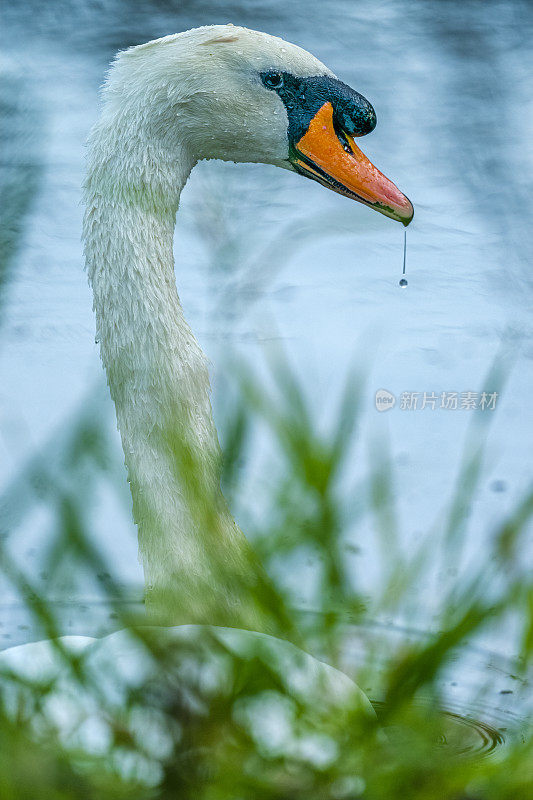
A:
{"x": 403, "y": 282}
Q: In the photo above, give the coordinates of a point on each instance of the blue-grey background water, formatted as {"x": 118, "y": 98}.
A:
{"x": 451, "y": 84}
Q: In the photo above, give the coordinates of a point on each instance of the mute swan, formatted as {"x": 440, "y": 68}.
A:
{"x": 214, "y": 92}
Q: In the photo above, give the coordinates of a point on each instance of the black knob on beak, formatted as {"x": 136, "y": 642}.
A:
{"x": 353, "y": 113}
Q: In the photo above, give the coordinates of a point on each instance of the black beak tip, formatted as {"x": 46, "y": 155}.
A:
{"x": 407, "y": 220}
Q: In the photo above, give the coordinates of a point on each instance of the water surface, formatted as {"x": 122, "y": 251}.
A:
{"x": 453, "y": 97}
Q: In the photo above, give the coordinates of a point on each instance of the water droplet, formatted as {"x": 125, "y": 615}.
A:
{"x": 403, "y": 281}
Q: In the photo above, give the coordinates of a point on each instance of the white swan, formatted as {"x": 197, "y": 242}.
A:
{"x": 215, "y": 92}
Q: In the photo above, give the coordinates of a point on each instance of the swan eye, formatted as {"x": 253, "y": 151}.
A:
{"x": 273, "y": 80}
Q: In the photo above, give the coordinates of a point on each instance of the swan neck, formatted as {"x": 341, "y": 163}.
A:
{"x": 158, "y": 379}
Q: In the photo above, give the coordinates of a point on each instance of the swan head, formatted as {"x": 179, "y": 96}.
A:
{"x": 235, "y": 94}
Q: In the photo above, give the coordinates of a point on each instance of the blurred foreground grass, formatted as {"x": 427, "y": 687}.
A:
{"x": 192, "y": 712}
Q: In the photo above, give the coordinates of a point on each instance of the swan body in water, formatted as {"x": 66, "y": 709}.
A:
{"x": 220, "y": 92}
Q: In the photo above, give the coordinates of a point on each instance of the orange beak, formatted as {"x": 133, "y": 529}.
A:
{"x": 332, "y": 158}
